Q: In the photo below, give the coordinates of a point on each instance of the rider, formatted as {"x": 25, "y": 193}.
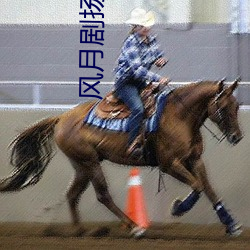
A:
{"x": 139, "y": 52}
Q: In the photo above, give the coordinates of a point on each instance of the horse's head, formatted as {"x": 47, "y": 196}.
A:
{"x": 223, "y": 111}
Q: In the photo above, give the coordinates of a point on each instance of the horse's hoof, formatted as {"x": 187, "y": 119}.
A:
{"x": 138, "y": 232}
{"x": 235, "y": 229}
{"x": 174, "y": 209}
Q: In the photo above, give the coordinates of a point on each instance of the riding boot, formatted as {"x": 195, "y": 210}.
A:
{"x": 135, "y": 149}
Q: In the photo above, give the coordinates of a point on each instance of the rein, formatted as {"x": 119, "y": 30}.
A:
{"x": 208, "y": 129}
{"x": 218, "y": 114}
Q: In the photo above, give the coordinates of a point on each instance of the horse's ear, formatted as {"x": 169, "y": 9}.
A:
{"x": 235, "y": 84}
{"x": 221, "y": 85}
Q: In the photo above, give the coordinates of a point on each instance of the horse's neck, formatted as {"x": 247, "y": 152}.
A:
{"x": 195, "y": 102}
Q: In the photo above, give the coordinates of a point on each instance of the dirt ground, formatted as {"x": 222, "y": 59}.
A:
{"x": 114, "y": 236}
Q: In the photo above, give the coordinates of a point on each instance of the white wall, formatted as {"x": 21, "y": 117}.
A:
{"x": 39, "y": 12}
{"x": 179, "y": 11}
{"x": 60, "y": 12}
{"x": 116, "y": 11}
{"x": 212, "y": 11}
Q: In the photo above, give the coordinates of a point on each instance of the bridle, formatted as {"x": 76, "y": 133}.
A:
{"x": 218, "y": 115}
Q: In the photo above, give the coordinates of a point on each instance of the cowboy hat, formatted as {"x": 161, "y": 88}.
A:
{"x": 141, "y": 17}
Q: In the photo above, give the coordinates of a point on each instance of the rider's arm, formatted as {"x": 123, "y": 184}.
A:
{"x": 157, "y": 53}
{"x": 158, "y": 58}
{"x": 132, "y": 53}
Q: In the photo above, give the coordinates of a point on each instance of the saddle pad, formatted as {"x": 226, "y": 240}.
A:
{"x": 121, "y": 125}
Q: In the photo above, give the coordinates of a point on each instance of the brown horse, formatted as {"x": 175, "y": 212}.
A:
{"x": 177, "y": 146}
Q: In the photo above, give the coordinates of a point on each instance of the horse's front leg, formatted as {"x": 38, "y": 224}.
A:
{"x": 232, "y": 227}
{"x": 181, "y": 173}
{"x": 183, "y": 206}
{"x": 199, "y": 170}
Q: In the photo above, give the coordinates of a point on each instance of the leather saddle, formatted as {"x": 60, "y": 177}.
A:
{"x": 111, "y": 107}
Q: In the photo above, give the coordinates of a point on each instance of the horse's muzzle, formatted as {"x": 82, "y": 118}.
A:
{"x": 234, "y": 138}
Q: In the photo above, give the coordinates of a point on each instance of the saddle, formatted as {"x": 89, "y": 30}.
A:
{"x": 111, "y": 107}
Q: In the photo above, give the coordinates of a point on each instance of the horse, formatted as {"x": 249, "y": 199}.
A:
{"x": 177, "y": 146}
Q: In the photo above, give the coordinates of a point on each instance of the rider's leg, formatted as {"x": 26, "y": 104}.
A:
{"x": 129, "y": 94}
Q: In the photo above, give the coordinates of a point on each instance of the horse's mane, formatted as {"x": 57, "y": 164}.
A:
{"x": 184, "y": 91}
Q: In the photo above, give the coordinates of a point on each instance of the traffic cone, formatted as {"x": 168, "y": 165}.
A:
{"x": 136, "y": 209}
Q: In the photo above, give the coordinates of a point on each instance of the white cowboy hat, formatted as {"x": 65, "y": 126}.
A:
{"x": 141, "y": 17}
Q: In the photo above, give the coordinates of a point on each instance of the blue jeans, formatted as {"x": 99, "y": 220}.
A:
{"x": 130, "y": 95}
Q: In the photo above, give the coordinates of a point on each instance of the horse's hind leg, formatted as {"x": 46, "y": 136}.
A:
{"x": 103, "y": 196}
{"x": 78, "y": 186}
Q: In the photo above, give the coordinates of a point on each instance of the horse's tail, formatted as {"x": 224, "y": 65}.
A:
{"x": 31, "y": 152}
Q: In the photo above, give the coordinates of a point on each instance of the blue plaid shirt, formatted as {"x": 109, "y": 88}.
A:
{"x": 136, "y": 59}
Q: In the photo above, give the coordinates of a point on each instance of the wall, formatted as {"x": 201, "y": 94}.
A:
{"x": 213, "y": 11}
{"x": 50, "y": 53}
{"x": 46, "y": 46}
{"x": 227, "y": 167}
{"x": 66, "y": 11}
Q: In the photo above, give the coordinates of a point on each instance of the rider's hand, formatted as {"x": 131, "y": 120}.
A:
{"x": 160, "y": 62}
{"x": 164, "y": 80}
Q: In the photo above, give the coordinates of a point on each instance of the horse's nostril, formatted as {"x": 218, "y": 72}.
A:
{"x": 235, "y": 139}
{"x": 239, "y": 138}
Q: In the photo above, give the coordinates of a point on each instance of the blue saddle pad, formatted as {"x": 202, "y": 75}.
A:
{"x": 151, "y": 124}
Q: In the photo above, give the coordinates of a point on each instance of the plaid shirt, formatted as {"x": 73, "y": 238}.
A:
{"x": 136, "y": 59}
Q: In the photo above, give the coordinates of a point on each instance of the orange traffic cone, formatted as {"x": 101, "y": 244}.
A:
{"x": 136, "y": 209}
